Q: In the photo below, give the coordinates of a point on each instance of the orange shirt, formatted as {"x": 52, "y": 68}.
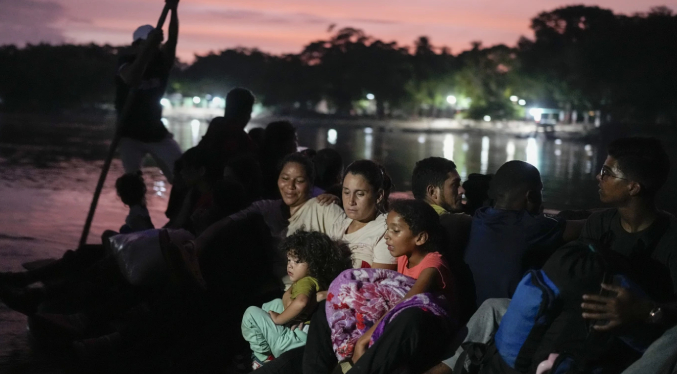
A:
{"x": 431, "y": 260}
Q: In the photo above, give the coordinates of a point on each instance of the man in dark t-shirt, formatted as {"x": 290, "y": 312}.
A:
{"x": 633, "y": 172}
{"x": 513, "y": 236}
{"x": 146, "y": 66}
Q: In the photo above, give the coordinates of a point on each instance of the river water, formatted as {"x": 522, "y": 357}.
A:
{"x": 49, "y": 168}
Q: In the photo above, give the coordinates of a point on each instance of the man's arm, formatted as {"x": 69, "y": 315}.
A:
{"x": 132, "y": 74}
{"x": 169, "y": 48}
{"x": 572, "y": 230}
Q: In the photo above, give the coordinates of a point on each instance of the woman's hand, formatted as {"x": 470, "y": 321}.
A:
{"x": 327, "y": 199}
{"x": 361, "y": 347}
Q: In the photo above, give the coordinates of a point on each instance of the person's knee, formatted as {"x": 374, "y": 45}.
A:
{"x": 494, "y": 304}
{"x": 251, "y": 313}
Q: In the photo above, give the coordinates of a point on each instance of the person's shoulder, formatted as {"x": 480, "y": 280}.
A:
{"x": 459, "y": 218}
{"x": 547, "y": 218}
{"x": 307, "y": 283}
{"x": 315, "y": 205}
{"x": 603, "y": 214}
{"x": 671, "y": 231}
{"x": 434, "y": 259}
{"x": 455, "y": 217}
{"x": 139, "y": 210}
{"x": 126, "y": 56}
{"x": 380, "y": 219}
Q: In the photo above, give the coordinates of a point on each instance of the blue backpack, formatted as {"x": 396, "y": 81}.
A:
{"x": 544, "y": 317}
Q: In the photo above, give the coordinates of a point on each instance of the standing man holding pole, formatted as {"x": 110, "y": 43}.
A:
{"x": 139, "y": 91}
{"x": 146, "y": 67}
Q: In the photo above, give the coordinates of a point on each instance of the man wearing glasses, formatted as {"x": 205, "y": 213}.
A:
{"x": 632, "y": 174}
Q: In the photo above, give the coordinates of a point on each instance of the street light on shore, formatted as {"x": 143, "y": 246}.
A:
{"x": 514, "y": 98}
{"x": 196, "y": 99}
{"x": 370, "y": 96}
{"x": 522, "y": 102}
{"x": 451, "y": 99}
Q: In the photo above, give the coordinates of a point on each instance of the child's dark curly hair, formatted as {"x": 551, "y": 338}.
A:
{"x": 326, "y": 258}
{"x": 420, "y": 217}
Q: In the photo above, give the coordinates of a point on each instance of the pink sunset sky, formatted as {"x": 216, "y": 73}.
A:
{"x": 284, "y": 26}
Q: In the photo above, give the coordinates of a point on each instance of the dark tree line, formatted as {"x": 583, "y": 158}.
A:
{"x": 579, "y": 59}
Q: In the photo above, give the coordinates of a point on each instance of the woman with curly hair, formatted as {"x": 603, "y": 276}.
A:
{"x": 313, "y": 261}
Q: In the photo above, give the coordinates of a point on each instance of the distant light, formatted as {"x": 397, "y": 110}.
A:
{"x": 164, "y": 102}
{"x": 332, "y": 136}
{"x": 522, "y": 102}
{"x": 421, "y": 139}
{"x": 514, "y": 98}
{"x": 196, "y": 99}
{"x": 217, "y": 100}
{"x": 487, "y": 118}
{"x": 558, "y": 141}
{"x": 451, "y": 99}
{"x": 370, "y": 96}
{"x": 368, "y": 130}
{"x": 537, "y": 113}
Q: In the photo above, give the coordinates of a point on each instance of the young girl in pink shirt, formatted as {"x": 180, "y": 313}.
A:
{"x": 369, "y": 299}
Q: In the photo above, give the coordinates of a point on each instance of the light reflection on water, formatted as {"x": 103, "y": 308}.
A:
{"x": 567, "y": 167}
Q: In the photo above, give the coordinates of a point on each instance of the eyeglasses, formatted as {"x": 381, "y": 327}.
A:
{"x": 606, "y": 173}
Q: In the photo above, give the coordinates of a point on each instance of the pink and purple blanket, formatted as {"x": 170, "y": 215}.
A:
{"x": 358, "y": 298}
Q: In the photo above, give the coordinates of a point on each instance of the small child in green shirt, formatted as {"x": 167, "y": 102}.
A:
{"x": 313, "y": 261}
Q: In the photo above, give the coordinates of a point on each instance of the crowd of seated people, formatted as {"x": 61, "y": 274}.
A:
{"x": 288, "y": 262}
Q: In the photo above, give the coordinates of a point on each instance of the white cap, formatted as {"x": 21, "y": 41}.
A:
{"x": 142, "y": 32}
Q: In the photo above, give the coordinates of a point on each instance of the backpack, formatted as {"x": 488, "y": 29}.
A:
{"x": 544, "y": 316}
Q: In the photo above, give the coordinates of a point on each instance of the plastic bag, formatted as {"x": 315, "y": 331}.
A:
{"x": 140, "y": 257}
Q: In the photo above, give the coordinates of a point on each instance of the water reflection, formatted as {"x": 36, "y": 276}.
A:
{"x": 448, "y": 147}
{"x": 567, "y": 176}
{"x": 532, "y": 152}
{"x": 332, "y": 136}
{"x": 484, "y": 157}
{"x": 195, "y": 131}
{"x": 368, "y": 146}
{"x": 510, "y": 151}
{"x": 567, "y": 167}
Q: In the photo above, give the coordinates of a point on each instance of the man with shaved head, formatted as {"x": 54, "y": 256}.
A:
{"x": 506, "y": 240}
{"x": 513, "y": 236}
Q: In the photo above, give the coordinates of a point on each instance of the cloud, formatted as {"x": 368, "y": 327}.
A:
{"x": 261, "y": 17}
{"x": 376, "y": 21}
{"x": 30, "y": 21}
